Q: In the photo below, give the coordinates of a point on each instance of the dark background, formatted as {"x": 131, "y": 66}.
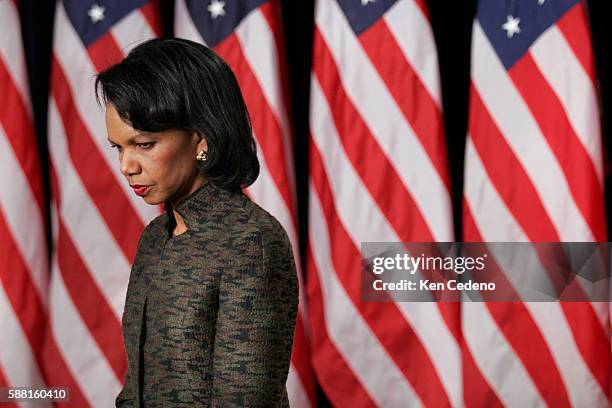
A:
{"x": 451, "y": 21}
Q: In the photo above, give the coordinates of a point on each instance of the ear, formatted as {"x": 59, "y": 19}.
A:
{"x": 200, "y": 141}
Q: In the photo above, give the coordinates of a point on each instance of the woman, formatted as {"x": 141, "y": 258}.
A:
{"x": 212, "y": 298}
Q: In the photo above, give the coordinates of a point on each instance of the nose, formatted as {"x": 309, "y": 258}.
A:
{"x": 128, "y": 163}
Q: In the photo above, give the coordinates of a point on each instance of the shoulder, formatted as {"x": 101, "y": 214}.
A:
{"x": 253, "y": 234}
{"x": 263, "y": 226}
{"x": 150, "y": 236}
{"x": 154, "y": 229}
{"x": 263, "y": 254}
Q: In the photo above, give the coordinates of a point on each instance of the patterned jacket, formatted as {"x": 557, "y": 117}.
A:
{"x": 210, "y": 313}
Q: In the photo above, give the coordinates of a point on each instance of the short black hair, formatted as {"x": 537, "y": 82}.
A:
{"x": 172, "y": 83}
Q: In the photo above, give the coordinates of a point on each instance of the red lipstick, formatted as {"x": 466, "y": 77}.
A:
{"x": 140, "y": 190}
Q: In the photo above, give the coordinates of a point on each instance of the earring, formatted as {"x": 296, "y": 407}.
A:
{"x": 202, "y": 156}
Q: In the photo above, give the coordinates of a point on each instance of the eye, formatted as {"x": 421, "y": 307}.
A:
{"x": 114, "y": 146}
{"x": 146, "y": 146}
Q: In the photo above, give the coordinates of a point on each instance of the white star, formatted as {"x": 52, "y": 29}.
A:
{"x": 366, "y": 2}
{"x": 216, "y": 8}
{"x": 540, "y": 2}
{"x": 512, "y": 26}
{"x": 96, "y": 13}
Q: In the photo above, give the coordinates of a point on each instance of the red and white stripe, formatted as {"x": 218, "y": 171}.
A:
{"x": 378, "y": 172}
{"x": 254, "y": 53}
{"x": 534, "y": 172}
{"x": 23, "y": 247}
{"x": 97, "y": 220}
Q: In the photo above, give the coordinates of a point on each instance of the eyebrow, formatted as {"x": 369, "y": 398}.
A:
{"x": 131, "y": 139}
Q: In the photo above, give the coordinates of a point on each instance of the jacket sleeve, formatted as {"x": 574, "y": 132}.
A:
{"x": 125, "y": 399}
{"x": 258, "y": 299}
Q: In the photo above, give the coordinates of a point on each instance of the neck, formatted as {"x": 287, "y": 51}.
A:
{"x": 180, "y": 224}
{"x": 197, "y": 182}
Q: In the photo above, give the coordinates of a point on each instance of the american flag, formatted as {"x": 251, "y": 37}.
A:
{"x": 378, "y": 172}
{"x": 247, "y": 35}
{"x": 96, "y": 220}
{"x": 534, "y": 172}
{"x": 23, "y": 249}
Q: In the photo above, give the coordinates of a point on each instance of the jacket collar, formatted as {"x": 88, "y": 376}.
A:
{"x": 197, "y": 205}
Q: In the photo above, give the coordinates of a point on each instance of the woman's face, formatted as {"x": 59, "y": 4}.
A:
{"x": 159, "y": 166}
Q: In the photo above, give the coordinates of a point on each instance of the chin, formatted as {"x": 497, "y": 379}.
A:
{"x": 152, "y": 200}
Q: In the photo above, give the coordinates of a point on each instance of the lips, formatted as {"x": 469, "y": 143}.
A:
{"x": 140, "y": 190}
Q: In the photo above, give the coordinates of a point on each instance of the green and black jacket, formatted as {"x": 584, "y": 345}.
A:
{"x": 210, "y": 314}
